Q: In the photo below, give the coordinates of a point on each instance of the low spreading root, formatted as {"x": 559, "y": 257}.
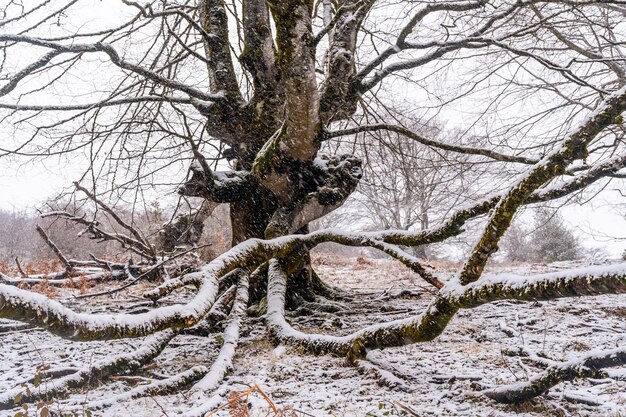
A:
{"x": 220, "y": 304}
{"x": 265, "y": 269}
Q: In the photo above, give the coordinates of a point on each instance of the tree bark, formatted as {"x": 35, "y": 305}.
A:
{"x": 250, "y": 219}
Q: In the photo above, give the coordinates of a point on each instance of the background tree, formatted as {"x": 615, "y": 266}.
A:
{"x": 408, "y": 186}
{"x": 551, "y": 240}
{"x": 516, "y": 244}
{"x": 17, "y": 238}
{"x": 547, "y": 239}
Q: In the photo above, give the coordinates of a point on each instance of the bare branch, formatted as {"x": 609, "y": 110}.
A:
{"x": 58, "y": 49}
{"x": 55, "y": 249}
{"x": 144, "y": 243}
{"x": 590, "y": 365}
{"x": 431, "y": 143}
{"x": 573, "y": 147}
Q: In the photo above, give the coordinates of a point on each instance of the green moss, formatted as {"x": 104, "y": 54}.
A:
{"x": 258, "y": 309}
{"x": 269, "y": 155}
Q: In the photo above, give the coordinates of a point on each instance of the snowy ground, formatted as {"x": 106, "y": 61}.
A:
{"x": 442, "y": 376}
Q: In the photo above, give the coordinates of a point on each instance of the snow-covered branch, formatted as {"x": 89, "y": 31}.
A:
{"x": 61, "y": 387}
{"x": 590, "y": 365}
{"x": 573, "y": 147}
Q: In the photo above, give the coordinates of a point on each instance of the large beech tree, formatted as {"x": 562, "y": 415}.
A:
{"x": 266, "y": 84}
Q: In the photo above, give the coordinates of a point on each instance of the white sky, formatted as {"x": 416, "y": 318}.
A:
{"x": 24, "y": 186}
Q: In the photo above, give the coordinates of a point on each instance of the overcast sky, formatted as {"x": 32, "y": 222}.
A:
{"x": 26, "y": 184}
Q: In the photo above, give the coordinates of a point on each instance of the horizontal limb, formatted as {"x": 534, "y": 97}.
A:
{"x": 433, "y": 321}
{"x": 590, "y": 365}
{"x": 166, "y": 386}
{"x": 496, "y": 156}
{"x": 63, "y": 386}
{"x": 26, "y": 306}
{"x": 63, "y": 279}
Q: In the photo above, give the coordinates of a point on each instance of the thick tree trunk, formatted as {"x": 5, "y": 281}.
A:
{"x": 281, "y": 182}
{"x": 249, "y": 219}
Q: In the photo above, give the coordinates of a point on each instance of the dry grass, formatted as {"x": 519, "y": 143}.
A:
{"x": 237, "y": 404}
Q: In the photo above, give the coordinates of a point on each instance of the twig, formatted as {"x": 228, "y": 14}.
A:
{"x": 137, "y": 278}
{"x": 117, "y": 218}
{"x": 55, "y": 249}
{"x": 406, "y": 408}
{"x": 19, "y": 268}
